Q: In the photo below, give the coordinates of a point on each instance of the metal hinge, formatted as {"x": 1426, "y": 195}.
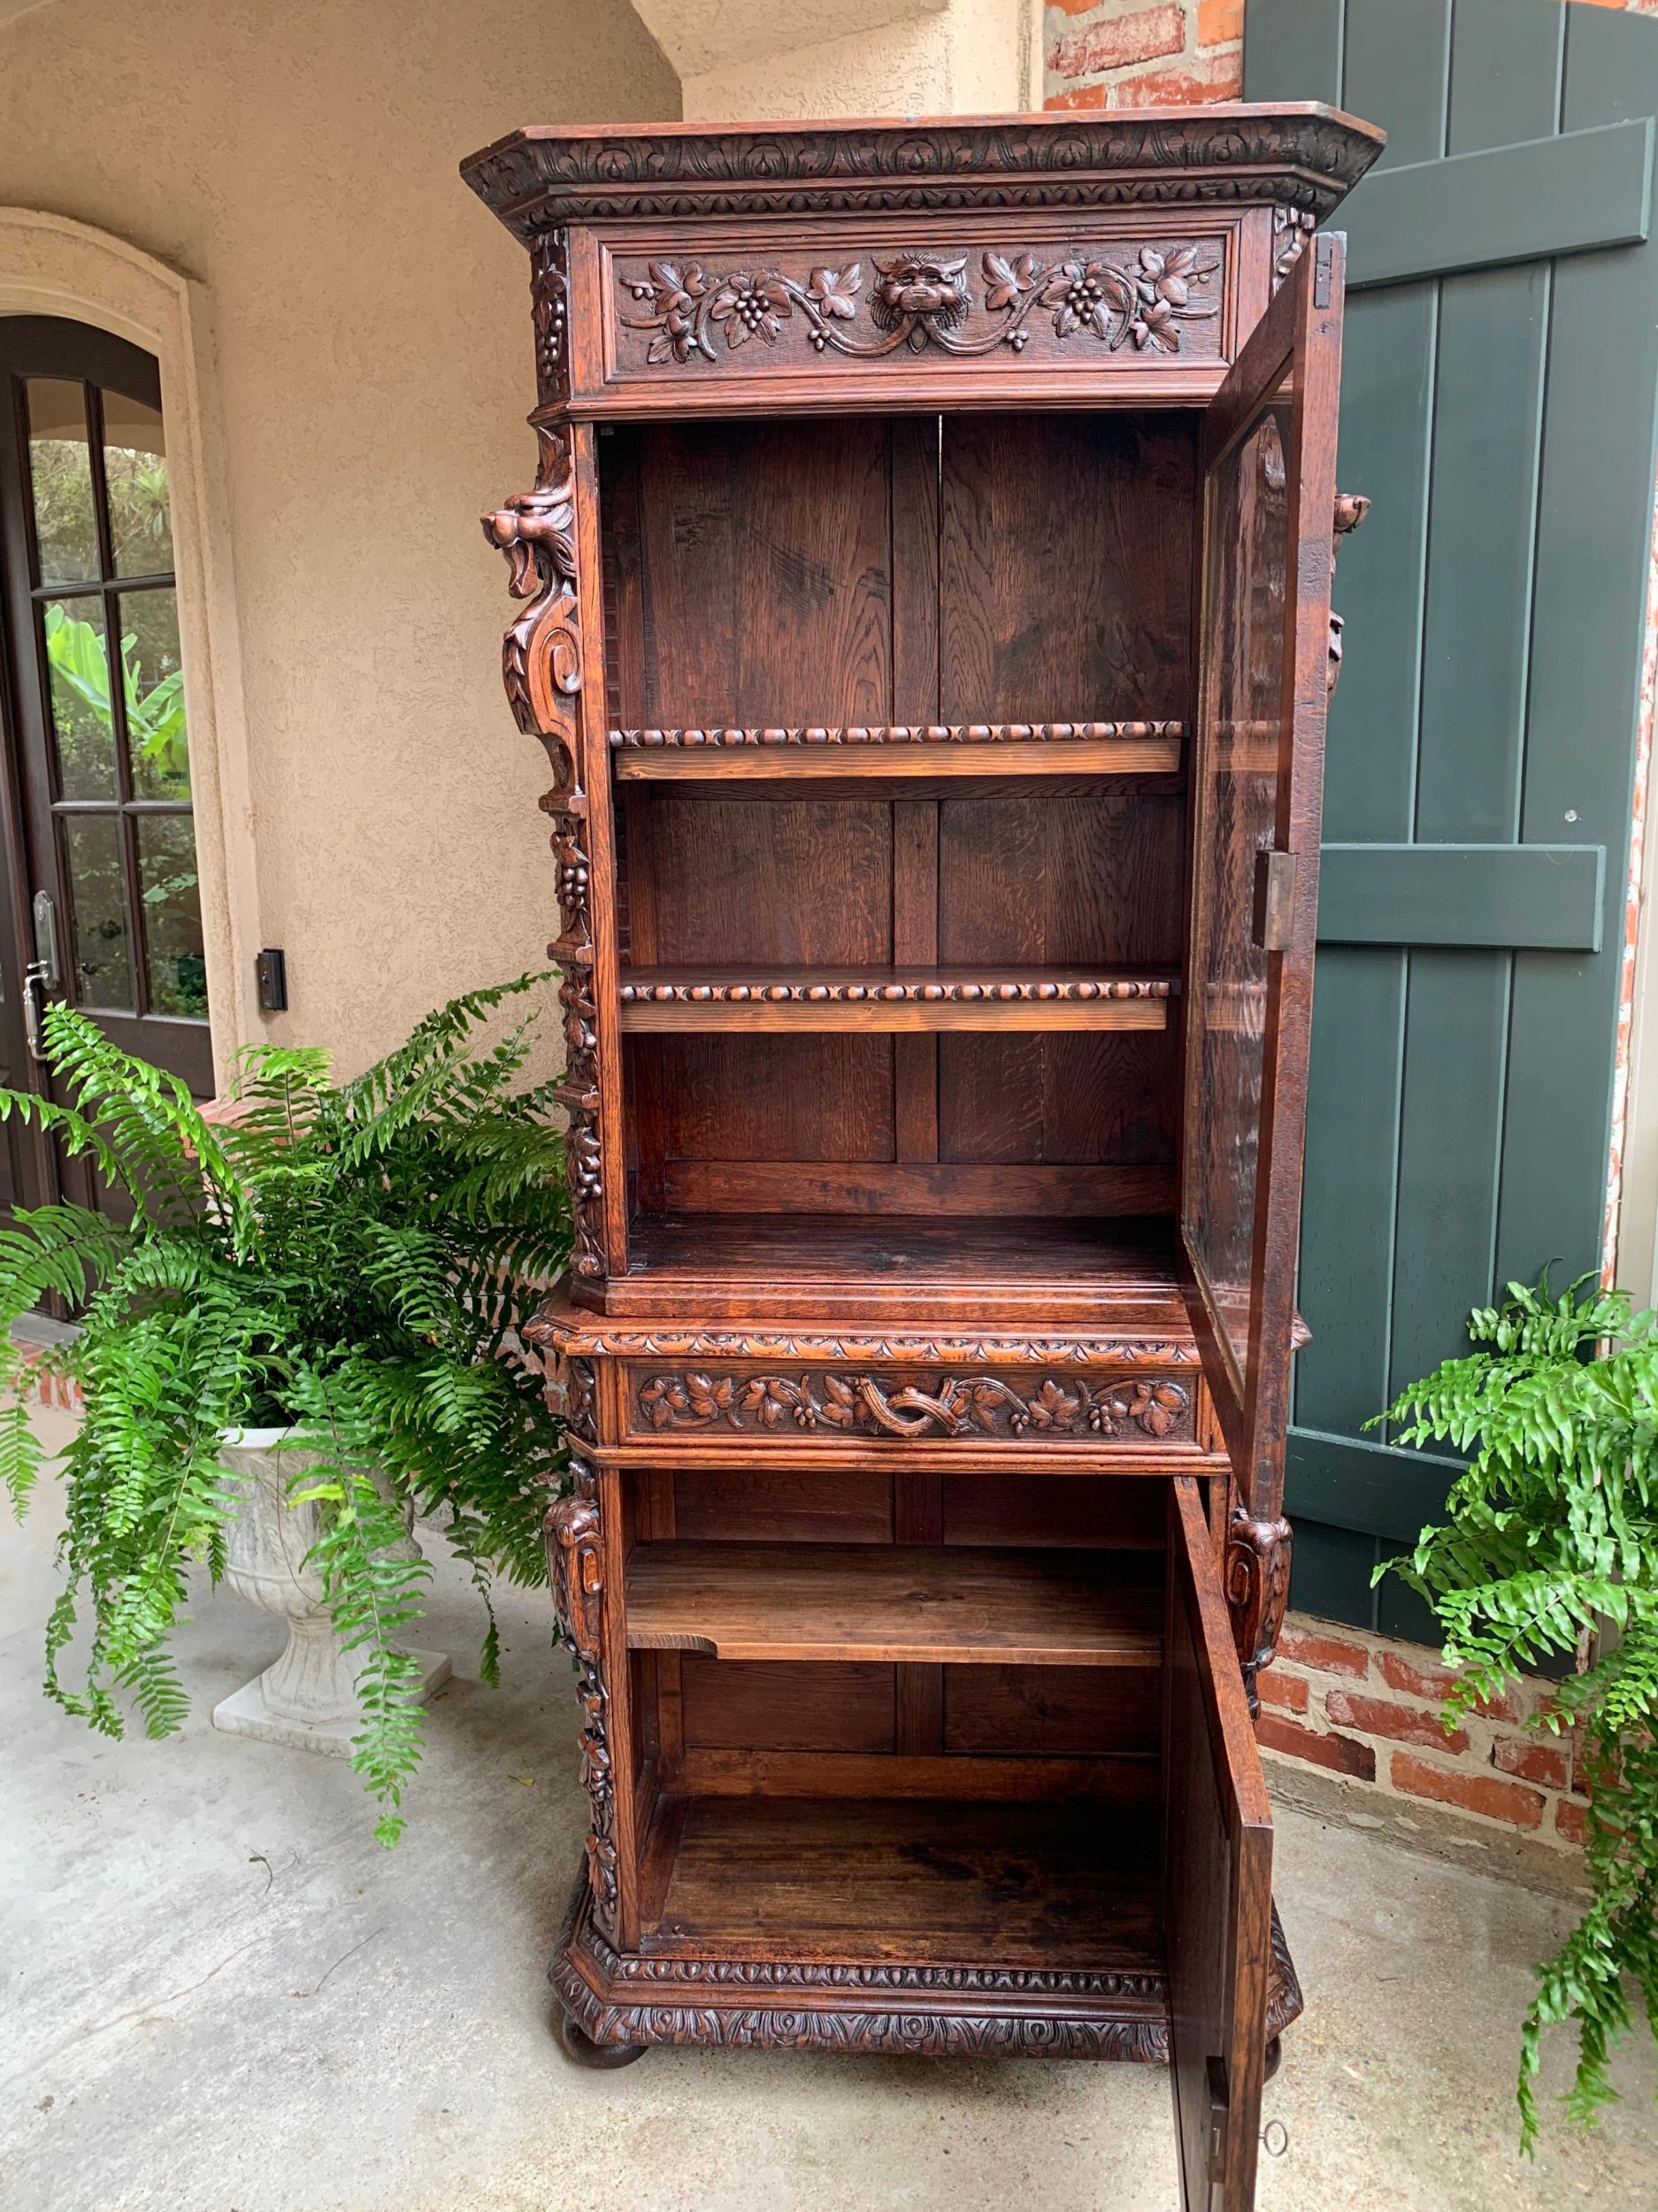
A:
{"x": 1323, "y": 262}
{"x": 1274, "y": 900}
{"x": 1219, "y": 2104}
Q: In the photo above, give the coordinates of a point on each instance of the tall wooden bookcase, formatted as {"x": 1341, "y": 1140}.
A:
{"x": 924, "y": 605}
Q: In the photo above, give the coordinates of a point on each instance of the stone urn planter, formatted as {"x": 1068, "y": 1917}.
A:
{"x": 308, "y": 1697}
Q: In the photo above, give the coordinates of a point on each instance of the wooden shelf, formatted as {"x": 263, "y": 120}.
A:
{"x": 948, "y": 751}
{"x": 751, "y": 998}
{"x": 922, "y": 1605}
{"x": 1046, "y": 1884}
{"x": 1064, "y": 1274}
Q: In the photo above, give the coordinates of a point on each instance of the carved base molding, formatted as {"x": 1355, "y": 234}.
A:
{"x": 619, "y": 1998}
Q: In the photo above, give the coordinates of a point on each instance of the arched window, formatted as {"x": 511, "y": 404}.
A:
{"x": 98, "y": 837}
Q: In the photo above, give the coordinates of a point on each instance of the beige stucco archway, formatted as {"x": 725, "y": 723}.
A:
{"x": 49, "y": 265}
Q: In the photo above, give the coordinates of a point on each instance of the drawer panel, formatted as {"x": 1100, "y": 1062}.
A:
{"x": 907, "y": 1407}
{"x": 1025, "y": 295}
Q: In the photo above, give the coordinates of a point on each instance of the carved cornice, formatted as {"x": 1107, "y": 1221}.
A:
{"x": 902, "y": 734}
{"x": 910, "y": 991}
{"x": 897, "y": 1406}
{"x": 571, "y": 1333}
{"x": 1305, "y": 157}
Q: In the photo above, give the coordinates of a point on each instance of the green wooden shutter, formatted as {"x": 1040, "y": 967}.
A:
{"x": 1498, "y": 404}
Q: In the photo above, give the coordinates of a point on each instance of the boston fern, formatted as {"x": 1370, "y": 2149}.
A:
{"x": 350, "y": 1261}
{"x": 1550, "y": 1544}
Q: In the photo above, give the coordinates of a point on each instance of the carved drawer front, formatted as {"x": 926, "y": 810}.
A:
{"x": 1036, "y": 296}
{"x": 907, "y": 1407}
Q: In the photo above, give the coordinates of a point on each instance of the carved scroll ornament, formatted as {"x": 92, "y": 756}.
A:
{"x": 1257, "y": 1582}
{"x": 1351, "y": 509}
{"x": 541, "y": 665}
{"x": 1129, "y": 297}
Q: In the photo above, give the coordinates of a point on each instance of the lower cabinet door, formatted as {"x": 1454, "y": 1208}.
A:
{"x": 1217, "y": 1855}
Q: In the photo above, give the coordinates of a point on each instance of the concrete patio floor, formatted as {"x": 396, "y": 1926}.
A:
{"x": 221, "y": 1996}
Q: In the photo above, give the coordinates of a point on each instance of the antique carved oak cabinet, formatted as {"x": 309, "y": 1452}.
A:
{"x": 923, "y": 600}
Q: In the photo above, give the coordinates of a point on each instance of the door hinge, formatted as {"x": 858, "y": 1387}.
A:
{"x": 1220, "y": 2106}
{"x": 1274, "y": 900}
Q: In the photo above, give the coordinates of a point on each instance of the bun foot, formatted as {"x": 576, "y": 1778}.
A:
{"x": 581, "y": 2049}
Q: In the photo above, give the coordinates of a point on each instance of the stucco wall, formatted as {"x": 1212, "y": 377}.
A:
{"x": 368, "y": 344}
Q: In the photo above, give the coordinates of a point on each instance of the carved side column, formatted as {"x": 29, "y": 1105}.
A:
{"x": 576, "y": 1557}
{"x": 542, "y": 669}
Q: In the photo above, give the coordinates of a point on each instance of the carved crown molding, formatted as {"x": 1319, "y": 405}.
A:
{"x": 1305, "y": 157}
{"x": 574, "y": 1333}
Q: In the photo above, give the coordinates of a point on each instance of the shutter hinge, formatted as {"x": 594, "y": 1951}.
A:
{"x": 1324, "y": 261}
{"x": 1275, "y": 900}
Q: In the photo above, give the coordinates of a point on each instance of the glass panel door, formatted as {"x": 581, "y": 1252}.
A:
{"x": 100, "y": 731}
{"x": 97, "y": 814}
{"x": 1268, "y": 492}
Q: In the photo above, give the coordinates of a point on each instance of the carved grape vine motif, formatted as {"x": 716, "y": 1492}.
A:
{"x": 958, "y": 1407}
{"x": 917, "y": 300}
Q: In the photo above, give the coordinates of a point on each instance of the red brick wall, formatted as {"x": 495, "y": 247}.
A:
{"x": 1143, "y": 53}
{"x": 1366, "y": 1710}
{"x": 1158, "y": 53}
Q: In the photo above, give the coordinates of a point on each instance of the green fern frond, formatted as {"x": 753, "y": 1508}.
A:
{"x": 353, "y": 1260}
{"x": 1551, "y": 1536}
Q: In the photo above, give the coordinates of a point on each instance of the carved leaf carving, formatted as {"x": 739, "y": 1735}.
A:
{"x": 887, "y": 1405}
{"x": 1142, "y": 298}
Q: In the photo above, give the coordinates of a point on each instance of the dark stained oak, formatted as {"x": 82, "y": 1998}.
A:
{"x": 957, "y": 1608}
{"x": 923, "y": 603}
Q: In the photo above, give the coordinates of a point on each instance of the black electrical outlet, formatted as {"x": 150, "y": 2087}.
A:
{"x": 271, "y": 967}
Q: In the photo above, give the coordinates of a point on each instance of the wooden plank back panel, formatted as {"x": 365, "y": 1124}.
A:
{"x": 766, "y": 586}
{"x": 1111, "y": 1510}
{"x": 850, "y": 1506}
{"x": 763, "y": 1704}
{"x": 1042, "y": 590}
{"x": 1054, "y": 1712}
{"x": 1064, "y": 565}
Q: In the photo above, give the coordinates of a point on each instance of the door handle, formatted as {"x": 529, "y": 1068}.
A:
{"x": 35, "y": 979}
{"x": 43, "y": 974}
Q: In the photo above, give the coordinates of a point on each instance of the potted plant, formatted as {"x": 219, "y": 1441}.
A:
{"x": 1549, "y": 1551}
{"x": 345, "y": 1264}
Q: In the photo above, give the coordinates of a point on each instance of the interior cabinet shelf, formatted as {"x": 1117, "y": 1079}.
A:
{"x": 874, "y": 1603}
{"x": 940, "y": 750}
{"x": 1039, "y": 1886}
{"x": 894, "y": 998}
